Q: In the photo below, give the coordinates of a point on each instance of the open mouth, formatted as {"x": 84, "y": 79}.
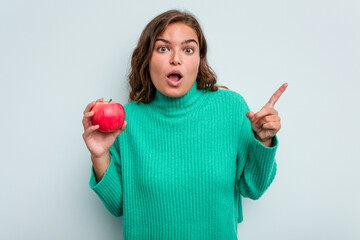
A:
{"x": 174, "y": 77}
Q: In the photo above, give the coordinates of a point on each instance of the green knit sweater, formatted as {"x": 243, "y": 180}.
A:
{"x": 179, "y": 169}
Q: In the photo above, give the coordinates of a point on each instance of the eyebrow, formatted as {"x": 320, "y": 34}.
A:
{"x": 184, "y": 42}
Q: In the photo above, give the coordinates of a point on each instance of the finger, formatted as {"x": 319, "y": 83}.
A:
{"x": 87, "y": 119}
{"x": 123, "y": 127}
{"x": 276, "y": 95}
{"x": 89, "y": 107}
{"x": 250, "y": 115}
{"x": 267, "y": 119}
{"x": 90, "y": 130}
{"x": 272, "y": 126}
{"x": 264, "y": 112}
{"x": 120, "y": 130}
{"x": 100, "y": 100}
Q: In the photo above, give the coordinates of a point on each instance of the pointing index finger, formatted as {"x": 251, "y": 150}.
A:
{"x": 276, "y": 95}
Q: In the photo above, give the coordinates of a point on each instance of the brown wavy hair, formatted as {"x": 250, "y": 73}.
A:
{"x": 142, "y": 88}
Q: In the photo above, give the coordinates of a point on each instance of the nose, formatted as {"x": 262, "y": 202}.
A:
{"x": 175, "y": 59}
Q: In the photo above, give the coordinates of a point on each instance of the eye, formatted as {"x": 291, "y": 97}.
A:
{"x": 162, "y": 49}
{"x": 189, "y": 50}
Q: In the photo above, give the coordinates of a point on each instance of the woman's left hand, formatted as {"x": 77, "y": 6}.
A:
{"x": 266, "y": 122}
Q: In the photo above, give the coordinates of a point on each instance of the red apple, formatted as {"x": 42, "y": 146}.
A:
{"x": 108, "y": 115}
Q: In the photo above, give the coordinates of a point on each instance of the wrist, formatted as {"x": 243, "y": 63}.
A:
{"x": 100, "y": 164}
{"x": 99, "y": 157}
{"x": 267, "y": 142}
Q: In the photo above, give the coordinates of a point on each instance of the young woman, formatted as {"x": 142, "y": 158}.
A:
{"x": 190, "y": 149}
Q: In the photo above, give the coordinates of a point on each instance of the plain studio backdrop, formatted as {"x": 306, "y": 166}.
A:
{"x": 58, "y": 56}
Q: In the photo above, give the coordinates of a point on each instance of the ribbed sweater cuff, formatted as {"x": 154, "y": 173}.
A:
{"x": 264, "y": 159}
{"x": 261, "y": 168}
{"x": 263, "y": 151}
{"x": 109, "y": 188}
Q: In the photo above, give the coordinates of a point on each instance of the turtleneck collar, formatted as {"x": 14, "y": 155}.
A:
{"x": 175, "y": 106}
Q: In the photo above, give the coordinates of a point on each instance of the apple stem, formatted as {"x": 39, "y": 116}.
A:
{"x": 110, "y": 100}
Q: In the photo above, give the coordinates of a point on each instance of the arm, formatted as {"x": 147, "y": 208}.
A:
{"x": 266, "y": 143}
{"x": 256, "y": 166}
{"x": 105, "y": 177}
{"x": 100, "y": 165}
{"x": 109, "y": 188}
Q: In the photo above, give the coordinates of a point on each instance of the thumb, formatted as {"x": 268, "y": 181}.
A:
{"x": 120, "y": 130}
{"x": 250, "y": 115}
{"x": 117, "y": 132}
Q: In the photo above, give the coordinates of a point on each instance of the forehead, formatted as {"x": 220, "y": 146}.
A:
{"x": 179, "y": 32}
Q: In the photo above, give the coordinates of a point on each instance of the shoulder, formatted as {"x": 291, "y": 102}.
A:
{"x": 134, "y": 106}
{"x": 134, "y": 110}
{"x": 228, "y": 97}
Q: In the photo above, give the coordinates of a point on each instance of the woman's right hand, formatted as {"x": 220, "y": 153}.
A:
{"x": 96, "y": 141}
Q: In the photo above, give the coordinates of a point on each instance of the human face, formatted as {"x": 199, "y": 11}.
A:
{"x": 175, "y": 61}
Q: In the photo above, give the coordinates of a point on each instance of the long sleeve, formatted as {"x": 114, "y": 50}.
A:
{"x": 256, "y": 167}
{"x": 109, "y": 189}
{"x": 175, "y": 171}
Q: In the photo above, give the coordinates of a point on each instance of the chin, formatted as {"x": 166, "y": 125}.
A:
{"x": 174, "y": 92}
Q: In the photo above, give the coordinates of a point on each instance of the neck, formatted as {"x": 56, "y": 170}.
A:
{"x": 175, "y": 106}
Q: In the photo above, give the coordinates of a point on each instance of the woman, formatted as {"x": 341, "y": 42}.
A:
{"x": 190, "y": 150}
